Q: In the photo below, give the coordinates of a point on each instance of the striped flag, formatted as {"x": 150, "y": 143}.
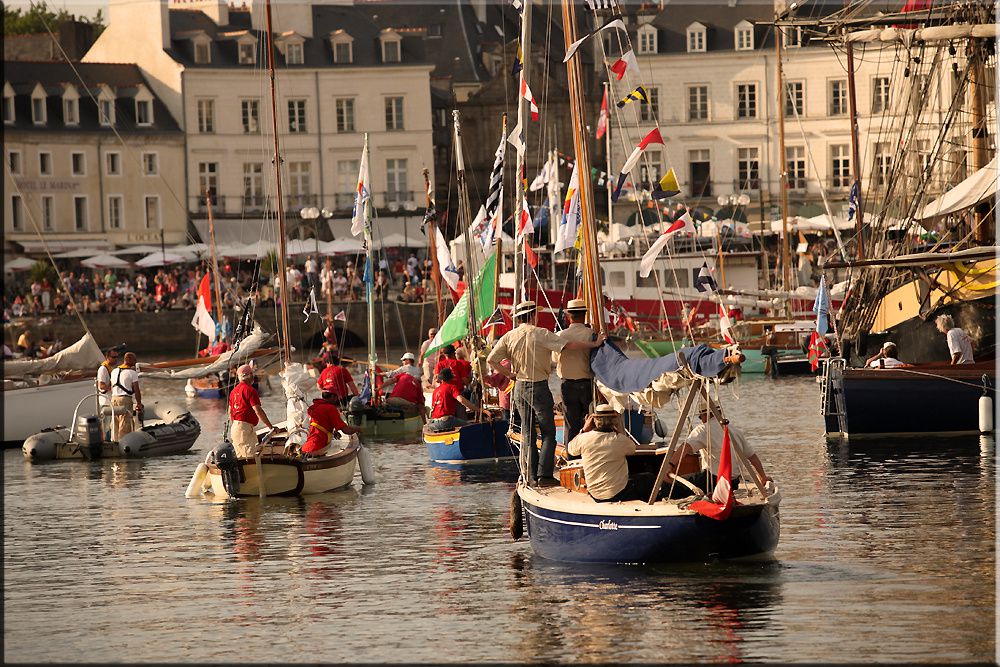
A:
{"x": 683, "y": 223}
{"x": 637, "y": 95}
{"x": 627, "y": 63}
{"x": 361, "y": 197}
{"x": 651, "y": 138}
{"x": 667, "y": 186}
{"x": 720, "y": 506}
{"x": 594, "y": 5}
{"x": 613, "y": 23}
{"x": 571, "y": 214}
{"x": 725, "y": 327}
{"x": 526, "y": 94}
{"x": 518, "y": 61}
{"x": 526, "y": 226}
{"x": 602, "y": 118}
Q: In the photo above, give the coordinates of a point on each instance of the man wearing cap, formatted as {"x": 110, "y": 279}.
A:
{"x": 405, "y": 383}
{"x": 407, "y": 365}
{"x": 604, "y": 446}
{"x": 125, "y": 394}
{"x": 245, "y": 411}
{"x": 573, "y": 369}
{"x": 339, "y": 379}
{"x": 529, "y": 349}
{"x": 886, "y": 357}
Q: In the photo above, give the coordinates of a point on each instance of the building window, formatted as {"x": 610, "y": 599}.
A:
{"x": 394, "y": 113}
{"x": 347, "y": 182}
{"x": 80, "y": 213}
{"x": 116, "y": 209}
{"x": 206, "y": 116}
{"x": 838, "y": 97}
{"x": 883, "y": 163}
{"x": 143, "y": 112}
{"x": 614, "y": 278}
{"x": 113, "y": 164}
{"x": 107, "y": 112}
{"x": 150, "y": 164}
{"x": 697, "y": 102}
{"x": 8, "y": 109}
{"x": 16, "y": 213}
{"x": 253, "y": 185}
{"x": 342, "y": 53}
{"x": 650, "y": 113}
{"x": 78, "y": 164}
{"x": 202, "y": 53}
{"x": 650, "y": 169}
{"x": 293, "y": 54}
{"x": 44, "y": 163}
{"x": 647, "y": 39}
{"x": 840, "y": 165}
{"x": 300, "y": 183}
{"x": 396, "y": 181}
{"x": 696, "y": 38}
{"x": 792, "y": 36}
{"x": 14, "y": 161}
{"x": 924, "y": 160}
{"x": 38, "y": 115}
{"x": 795, "y": 98}
{"x": 71, "y": 111}
{"x": 746, "y": 101}
{"x": 208, "y": 180}
{"x": 345, "y": 115}
{"x": 795, "y": 166}
{"x": 250, "y": 113}
{"x": 744, "y": 36}
{"x": 880, "y": 94}
{"x": 48, "y": 213}
{"x": 152, "y": 212}
{"x": 296, "y": 116}
{"x": 700, "y": 169}
{"x": 248, "y": 53}
{"x": 390, "y": 51}
{"x": 748, "y": 168}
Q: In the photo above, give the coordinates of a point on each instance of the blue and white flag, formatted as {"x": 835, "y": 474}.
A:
{"x": 822, "y": 307}
{"x": 368, "y": 277}
{"x": 705, "y": 282}
{"x": 366, "y": 390}
{"x": 854, "y": 200}
{"x": 449, "y": 272}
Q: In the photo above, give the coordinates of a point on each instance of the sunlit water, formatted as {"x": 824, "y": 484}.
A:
{"x": 886, "y": 554}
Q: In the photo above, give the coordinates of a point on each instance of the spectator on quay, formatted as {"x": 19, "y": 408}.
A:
{"x": 46, "y": 293}
{"x": 339, "y": 284}
{"x": 312, "y": 273}
{"x": 412, "y": 266}
{"x": 381, "y": 286}
{"x": 326, "y": 278}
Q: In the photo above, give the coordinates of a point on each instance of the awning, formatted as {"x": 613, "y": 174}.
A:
{"x": 59, "y": 246}
{"x": 981, "y": 185}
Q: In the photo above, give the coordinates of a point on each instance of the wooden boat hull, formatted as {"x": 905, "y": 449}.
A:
{"x": 290, "y": 476}
{"x": 386, "y": 423}
{"x": 472, "y": 443}
{"x": 579, "y": 530}
{"x": 28, "y": 410}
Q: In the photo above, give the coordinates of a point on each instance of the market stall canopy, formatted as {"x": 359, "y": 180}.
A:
{"x": 162, "y": 259}
{"x": 193, "y": 249}
{"x": 105, "y": 261}
{"x": 136, "y": 250}
{"x": 95, "y": 246}
{"x": 76, "y": 254}
{"x": 398, "y": 241}
{"x": 303, "y": 247}
{"x": 342, "y": 245}
{"x": 19, "y": 264}
{"x": 981, "y": 185}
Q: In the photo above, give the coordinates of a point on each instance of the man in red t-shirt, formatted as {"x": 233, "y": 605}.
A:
{"x": 444, "y": 403}
{"x": 245, "y": 411}
{"x": 325, "y": 422}
{"x": 406, "y": 391}
{"x": 461, "y": 369}
{"x": 338, "y": 379}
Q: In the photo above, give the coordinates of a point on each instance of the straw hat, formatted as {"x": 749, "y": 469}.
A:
{"x": 604, "y": 410}
{"x": 576, "y": 305}
{"x": 524, "y": 308}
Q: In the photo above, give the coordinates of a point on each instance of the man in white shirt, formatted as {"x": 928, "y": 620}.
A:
{"x": 312, "y": 273}
{"x": 104, "y": 375}
{"x": 886, "y": 357}
{"x": 603, "y": 446}
{"x": 125, "y": 394}
{"x": 959, "y": 342}
{"x": 408, "y": 366}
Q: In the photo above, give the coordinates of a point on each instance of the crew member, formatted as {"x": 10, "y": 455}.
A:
{"x": 339, "y": 380}
{"x": 460, "y": 368}
{"x": 428, "y": 361}
{"x": 445, "y": 401}
{"x": 959, "y": 342}
{"x": 104, "y": 374}
{"x": 406, "y": 390}
{"x": 573, "y": 369}
{"x": 125, "y": 394}
{"x": 407, "y": 365}
{"x": 604, "y": 446}
{"x": 529, "y": 349}
{"x": 245, "y": 411}
{"x": 325, "y": 422}
{"x": 886, "y": 357}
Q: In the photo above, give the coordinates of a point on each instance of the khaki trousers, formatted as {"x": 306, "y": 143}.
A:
{"x": 244, "y": 438}
{"x": 123, "y": 423}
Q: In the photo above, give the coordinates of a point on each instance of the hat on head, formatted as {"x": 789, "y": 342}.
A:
{"x": 604, "y": 410}
{"x": 244, "y": 371}
{"x": 524, "y": 308}
{"x": 576, "y": 305}
{"x": 408, "y": 355}
{"x": 887, "y": 344}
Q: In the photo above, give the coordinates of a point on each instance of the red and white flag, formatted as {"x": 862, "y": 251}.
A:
{"x": 526, "y": 226}
{"x": 722, "y": 502}
{"x": 526, "y": 94}
{"x": 602, "y": 119}
{"x": 682, "y": 224}
{"x": 627, "y": 63}
{"x": 725, "y": 326}
{"x": 341, "y": 316}
{"x": 203, "y": 321}
{"x": 530, "y": 255}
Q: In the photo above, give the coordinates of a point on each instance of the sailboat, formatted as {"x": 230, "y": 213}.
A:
{"x": 276, "y": 469}
{"x": 566, "y": 524}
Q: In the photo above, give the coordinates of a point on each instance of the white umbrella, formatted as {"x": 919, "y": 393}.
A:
{"x": 194, "y": 248}
{"x": 105, "y": 261}
{"x": 302, "y": 247}
{"x": 162, "y": 259}
{"x": 258, "y": 249}
{"x": 137, "y": 250}
{"x": 397, "y": 240}
{"x": 79, "y": 252}
{"x": 341, "y": 245}
{"x": 19, "y": 264}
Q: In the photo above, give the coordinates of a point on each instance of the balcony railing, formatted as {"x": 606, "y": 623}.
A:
{"x": 406, "y": 201}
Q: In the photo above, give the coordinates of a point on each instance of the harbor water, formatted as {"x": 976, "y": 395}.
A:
{"x": 887, "y": 553}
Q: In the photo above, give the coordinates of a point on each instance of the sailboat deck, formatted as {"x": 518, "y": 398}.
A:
{"x": 561, "y": 499}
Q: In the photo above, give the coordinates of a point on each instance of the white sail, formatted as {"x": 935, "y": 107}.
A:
{"x": 81, "y": 355}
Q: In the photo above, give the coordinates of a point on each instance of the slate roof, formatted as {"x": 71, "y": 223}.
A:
{"x": 124, "y": 80}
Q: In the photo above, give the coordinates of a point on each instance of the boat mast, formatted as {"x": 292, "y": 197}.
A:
{"x": 779, "y": 37}
{"x": 370, "y": 271}
{"x": 498, "y": 237}
{"x": 852, "y": 101}
{"x": 215, "y": 258}
{"x": 591, "y": 264}
{"x": 432, "y": 247}
{"x": 982, "y": 215}
{"x": 283, "y": 291}
{"x": 607, "y": 160}
{"x": 522, "y": 150}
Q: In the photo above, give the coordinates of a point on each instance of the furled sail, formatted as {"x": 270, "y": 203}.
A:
{"x": 977, "y": 187}
{"x": 81, "y": 355}
{"x": 227, "y": 360}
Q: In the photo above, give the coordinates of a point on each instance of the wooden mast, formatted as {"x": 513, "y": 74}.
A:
{"x": 370, "y": 271}
{"x": 283, "y": 291}
{"x": 982, "y": 215}
{"x": 786, "y": 283}
{"x": 215, "y": 259}
{"x": 432, "y": 247}
{"x": 852, "y": 101}
{"x": 522, "y": 150}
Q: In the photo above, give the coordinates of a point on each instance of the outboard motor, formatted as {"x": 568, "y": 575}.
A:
{"x": 88, "y": 434}
{"x": 224, "y": 456}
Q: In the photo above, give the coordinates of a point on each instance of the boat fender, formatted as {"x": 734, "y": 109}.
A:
{"x": 197, "y": 480}
{"x": 136, "y": 443}
{"x": 366, "y": 465}
{"x": 516, "y": 517}
{"x": 224, "y": 456}
{"x": 43, "y": 446}
{"x": 189, "y": 390}
{"x": 985, "y": 414}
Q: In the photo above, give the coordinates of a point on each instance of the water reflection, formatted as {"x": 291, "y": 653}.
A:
{"x": 451, "y": 474}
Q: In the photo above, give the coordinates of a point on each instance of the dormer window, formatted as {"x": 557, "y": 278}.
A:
{"x": 202, "y": 53}
{"x": 744, "y": 36}
{"x": 792, "y": 37}
{"x": 106, "y": 107}
{"x": 294, "y": 54}
{"x": 38, "y": 115}
{"x": 8, "y": 104}
{"x": 696, "y": 38}
{"x": 390, "y": 46}
{"x": 647, "y": 39}
{"x": 144, "y": 107}
{"x": 71, "y": 106}
{"x": 248, "y": 52}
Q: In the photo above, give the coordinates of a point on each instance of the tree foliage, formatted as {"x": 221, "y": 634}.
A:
{"x": 39, "y": 18}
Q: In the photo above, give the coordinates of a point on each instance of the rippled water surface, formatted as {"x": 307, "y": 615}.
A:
{"x": 887, "y": 553}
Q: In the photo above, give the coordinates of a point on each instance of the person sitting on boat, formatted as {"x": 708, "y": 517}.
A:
{"x": 461, "y": 369}
{"x": 603, "y": 445}
{"x": 343, "y": 386}
{"x": 445, "y": 401}
{"x": 245, "y": 411}
{"x": 125, "y": 395}
{"x": 407, "y": 365}
{"x": 886, "y": 357}
{"x": 573, "y": 369}
{"x": 959, "y": 342}
{"x": 325, "y": 422}
{"x": 406, "y": 390}
{"x": 705, "y": 439}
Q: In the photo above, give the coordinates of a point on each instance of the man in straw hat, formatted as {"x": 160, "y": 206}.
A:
{"x": 529, "y": 348}
{"x": 573, "y": 369}
{"x": 245, "y": 411}
{"x": 604, "y": 446}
